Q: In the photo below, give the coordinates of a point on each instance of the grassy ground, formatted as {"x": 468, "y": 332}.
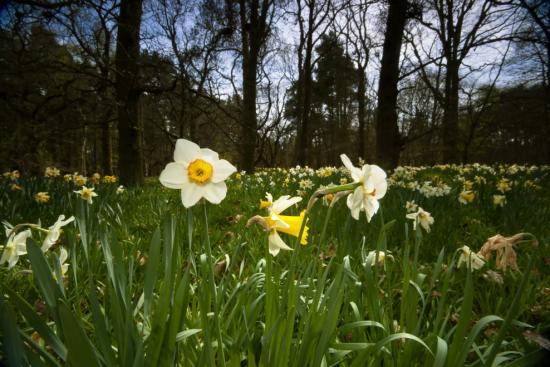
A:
{"x": 152, "y": 283}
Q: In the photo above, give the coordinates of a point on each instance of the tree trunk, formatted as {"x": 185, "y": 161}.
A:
{"x": 361, "y": 107}
{"x": 130, "y": 153}
{"x": 450, "y": 114}
{"x": 388, "y": 141}
{"x": 249, "y": 121}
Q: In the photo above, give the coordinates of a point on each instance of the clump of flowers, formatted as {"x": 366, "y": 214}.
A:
{"x": 87, "y": 194}
{"x": 42, "y": 197}
{"x": 12, "y": 175}
{"x": 110, "y": 179}
{"x": 51, "y": 172}
{"x": 198, "y": 173}
{"x": 421, "y": 217}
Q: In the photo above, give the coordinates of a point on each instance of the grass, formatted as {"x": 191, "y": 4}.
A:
{"x": 153, "y": 283}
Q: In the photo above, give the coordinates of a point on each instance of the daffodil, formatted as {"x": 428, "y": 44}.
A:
{"x": 120, "y": 190}
{"x": 63, "y": 256}
{"x": 372, "y": 187}
{"x": 476, "y": 261}
{"x": 197, "y": 173}
{"x": 87, "y": 193}
{"x": 42, "y": 197}
{"x": 499, "y": 200}
{"x": 466, "y": 197}
{"x": 372, "y": 256}
{"x": 55, "y": 231}
{"x": 51, "y": 172}
{"x": 421, "y": 217}
{"x": 15, "y": 247}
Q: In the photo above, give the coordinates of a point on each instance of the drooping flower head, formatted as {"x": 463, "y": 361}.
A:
{"x": 198, "y": 173}
{"x": 373, "y": 186}
{"x": 55, "y": 231}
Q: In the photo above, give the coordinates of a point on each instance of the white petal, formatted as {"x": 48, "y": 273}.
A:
{"x": 63, "y": 255}
{"x": 357, "y": 175}
{"x": 284, "y": 202}
{"x": 381, "y": 188}
{"x": 174, "y": 175}
{"x": 269, "y": 197}
{"x": 209, "y": 155}
{"x": 279, "y": 223}
{"x": 215, "y": 192}
{"x": 65, "y": 222}
{"x": 222, "y": 169}
{"x": 347, "y": 162}
{"x": 377, "y": 173}
{"x": 276, "y": 244}
{"x": 12, "y": 261}
{"x": 5, "y": 257}
{"x": 186, "y": 151}
{"x": 371, "y": 207}
{"x": 190, "y": 194}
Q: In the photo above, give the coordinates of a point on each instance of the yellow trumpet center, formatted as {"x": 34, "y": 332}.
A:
{"x": 199, "y": 171}
{"x": 265, "y": 204}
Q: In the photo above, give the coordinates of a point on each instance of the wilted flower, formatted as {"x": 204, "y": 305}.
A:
{"x": 87, "y": 193}
{"x": 42, "y": 197}
{"x": 468, "y": 256}
{"x": 373, "y": 186}
{"x": 466, "y": 197}
{"x": 15, "y": 247}
{"x": 421, "y": 217}
{"x": 504, "y": 249}
{"x": 499, "y": 200}
{"x": 55, "y": 231}
{"x": 197, "y": 173}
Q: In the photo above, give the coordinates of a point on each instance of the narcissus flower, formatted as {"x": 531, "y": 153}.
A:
{"x": 373, "y": 186}
{"x": 15, "y": 247}
{"x": 499, "y": 200}
{"x": 275, "y": 222}
{"x": 466, "y": 197}
{"x": 51, "y": 172}
{"x": 55, "y": 231}
{"x": 421, "y": 217}
{"x": 87, "y": 193}
{"x": 42, "y": 197}
{"x": 372, "y": 258}
{"x": 197, "y": 173}
{"x": 476, "y": 261}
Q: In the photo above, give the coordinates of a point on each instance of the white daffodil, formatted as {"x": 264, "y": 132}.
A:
{"x": 15, "y": 247}
{"x": 197, "y": 173}
{"x": 278, "y": 206}
{"x": 63, "y": 256}
{"x": 55, "y": 231}
{"x": 421, "y": 217}
{"x": 373, "y": 187}
{"x": 371, "y": 258}
{"x": 468, "y": 256}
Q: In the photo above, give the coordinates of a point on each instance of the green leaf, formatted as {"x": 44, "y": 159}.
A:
{"x": 151, "y": 272}
{"x": 80, "y": 350}
{"x": 11, "y": 341}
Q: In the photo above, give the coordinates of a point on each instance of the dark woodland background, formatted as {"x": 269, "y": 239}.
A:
{"x": 109, "y": 85}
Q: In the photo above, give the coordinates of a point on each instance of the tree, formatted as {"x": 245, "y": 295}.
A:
{"x": 130, "y": 150}
{"x": 388, "y": 141}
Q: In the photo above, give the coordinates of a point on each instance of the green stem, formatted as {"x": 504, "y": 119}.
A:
{"x": 213, "y": 288}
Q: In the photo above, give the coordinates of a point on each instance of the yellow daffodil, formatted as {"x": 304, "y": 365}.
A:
{"x": 421, "y": 217}
{"x": 468, "y": 185}
{"x": 466, "y": 197}
{"x": 87, "y": 193}
{"x": 504, "y": 185}
{"x": 476, "y": 261}
{"x": 51, "y": 172}
{"x": 42, "y": 197}
{"x": 197, "y": 173}
{"x": 15, "y": 247}
{"x": 499, "y": 200}
{"x": 110, "y": 179}
{"x": 372, "y": 187}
